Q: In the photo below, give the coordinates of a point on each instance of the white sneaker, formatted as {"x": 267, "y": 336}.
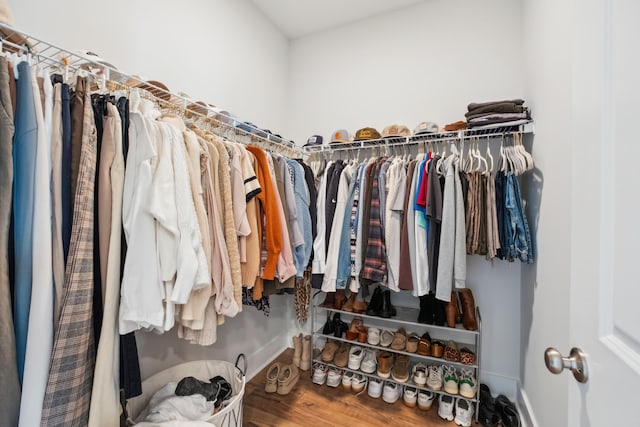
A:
{"x": 355, "y": 357}
{"x": 391, "y": 392}
{"x": 464, "y": 412}
{"x": 358, "y": 383}
{"x": 375, "y": 388}
{"x": 386, "y": 338}
{"x": 419, "y": 374}
{"x": 425, "y": 399}
{"x": 346, "y": 380}
{"x": 468, "y": 384}
{"x": 445, "y": 407}
{"x": 434, "y": 381}
{"x": 450, "y": 379}
{"x": 334, "y": 377}
{"x": 373, "y": 336}
{"x": 410, "y": 396}
{"x": 319, "y": 373}
{"x": 369, "y": 363}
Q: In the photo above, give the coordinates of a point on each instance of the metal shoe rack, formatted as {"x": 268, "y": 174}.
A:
{"x": 405, "y": 317}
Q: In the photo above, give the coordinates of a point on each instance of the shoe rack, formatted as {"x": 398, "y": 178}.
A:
{"x": 405, "y": 317}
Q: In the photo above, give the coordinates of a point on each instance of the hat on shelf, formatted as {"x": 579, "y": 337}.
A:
{"x": 154, "y": 87}
{"x": 341, "y": 135}
{"x": 392, "y": 131}
{"x": 426, "y": 127}
{"x": 314, "y": 140}
{"x": 199, "y": 107}
{"x": 367, "y": 134}
{"x": 247, "y": 127}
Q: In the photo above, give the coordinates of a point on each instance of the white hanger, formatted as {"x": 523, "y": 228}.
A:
{"x": 490, "y": 157}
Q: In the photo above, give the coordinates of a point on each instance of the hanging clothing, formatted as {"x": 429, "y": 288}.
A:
{"x": 69, "y": 385}
{"x": 9, "y": 383}
{"x": 105, "y": 402}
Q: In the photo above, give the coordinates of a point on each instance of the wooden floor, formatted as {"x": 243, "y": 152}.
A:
{"x": 309, "y": 404}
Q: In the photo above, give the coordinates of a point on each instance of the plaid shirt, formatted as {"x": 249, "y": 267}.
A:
{"x": 375, "y": 262}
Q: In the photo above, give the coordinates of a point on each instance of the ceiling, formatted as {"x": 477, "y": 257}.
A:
{"x": 298, "y": 18}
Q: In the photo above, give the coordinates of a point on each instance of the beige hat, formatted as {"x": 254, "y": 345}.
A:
{"x": 395, "y": 131}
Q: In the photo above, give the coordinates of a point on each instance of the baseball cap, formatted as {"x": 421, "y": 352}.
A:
{"x": 341, "y": 135}
{"x": 314, "y": 140}
{"x": 395, "y": 130}
{"x": 426, "y": 127}
{"x": 366, "y": 134}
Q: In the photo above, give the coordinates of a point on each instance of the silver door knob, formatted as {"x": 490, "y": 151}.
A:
{"x": 576, "y": 363}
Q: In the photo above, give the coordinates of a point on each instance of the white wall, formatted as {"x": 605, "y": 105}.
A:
{"x": 545, "y": 285}
{"x": 425, "y": 62}
{"x": 224, "y": 52}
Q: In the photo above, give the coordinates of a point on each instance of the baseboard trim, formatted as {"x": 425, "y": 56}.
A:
{"x": 262, "y": 357}
{"x": 500, "y": 384}
{"x": 527, "y": 416}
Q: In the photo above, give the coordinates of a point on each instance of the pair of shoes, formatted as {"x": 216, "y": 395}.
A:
{"x": 488, "y": 415}
{"x": 319, "y": 374}
{"x": 352, "y": 332}
{"x": 354, "y": 305}
{"x": 432, "y": 310}
{"x": 356, "y": 355}
{"x": 334, "y": 377}
{"x": 463, "y": 409}
{"x": 386, "y": 338}
{"x": 465, "y": 383}
{"x": 342, "y": 355}
{"x": 329, "y": 351}
{"x": 507, "y": 411}
{"x": 380, "y": 304}
{"x": 425, "y": 399}
{"x": 302, "y": 351}
{"x": 369, "y": 362}
{"x": 419, "y": 374}
{"x": 424, "y": 345}
{"x": 453, "y": 312}
{"x": 281, "y": 378}
{"x": 391, "y": 392}
{"x": 334, "y": 299}
{"x": 375, "y": 388}
{"x": 355, "y": 382}
{"x": 334, "y": 326}
{"x": 395, "y": 366}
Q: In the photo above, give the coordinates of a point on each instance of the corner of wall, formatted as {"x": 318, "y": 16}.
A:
{"x": 263, "y": 356}
{"x": 527, "y": 416}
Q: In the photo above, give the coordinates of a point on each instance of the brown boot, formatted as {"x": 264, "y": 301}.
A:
{"x": 340, "y": 298}
{"x": 305, "y": 360}
{"x": 451, "y": 310}
{"x": 385, "y": 360}
{"x": 297, "y": 349}
{"x": 348, "y": 305}
{"x": 469, "y": 320}
{"x": 329, "y": 300}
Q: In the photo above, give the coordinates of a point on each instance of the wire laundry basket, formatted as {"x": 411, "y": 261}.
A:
{"x": 229, "y": 416}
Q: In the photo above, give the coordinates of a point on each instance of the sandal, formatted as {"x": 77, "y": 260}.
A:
{"x": 451, "y": 352}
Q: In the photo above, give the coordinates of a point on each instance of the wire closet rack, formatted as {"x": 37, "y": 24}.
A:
{"x": 56, "y": 59}
{"x": 497, "y": 132}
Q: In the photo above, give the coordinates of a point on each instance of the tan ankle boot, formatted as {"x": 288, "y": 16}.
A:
{"x": 305, "y": 361}
{"x": 348, "y": 306}
{"x": 297, "y": 349}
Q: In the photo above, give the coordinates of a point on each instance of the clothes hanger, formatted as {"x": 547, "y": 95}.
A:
{"x": 489, "y": 156}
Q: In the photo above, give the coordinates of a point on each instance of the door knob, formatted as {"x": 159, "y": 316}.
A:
{"x": 576, "y": 363}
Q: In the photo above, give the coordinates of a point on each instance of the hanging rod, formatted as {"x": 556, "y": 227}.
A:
{"x": 57, "y": 57}
{"x": 439, "y": 137}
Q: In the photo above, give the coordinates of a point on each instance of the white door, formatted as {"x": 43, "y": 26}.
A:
{"x": 605, "y": 243}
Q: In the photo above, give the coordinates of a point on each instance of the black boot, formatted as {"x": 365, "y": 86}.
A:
{"x": 426, "y": 310}
{"x": 439, "y": 312}
{"x": 375, "y": 305}
{"x": 385, "y": 311}
{"x": 328, "y": 328}
{"x": 339, "y": 327}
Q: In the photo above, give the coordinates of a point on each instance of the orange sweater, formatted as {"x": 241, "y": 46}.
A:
{"x": 268, "y": 202}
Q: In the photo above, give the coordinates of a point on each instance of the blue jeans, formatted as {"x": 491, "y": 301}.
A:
{"x": 518, "y": 236}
